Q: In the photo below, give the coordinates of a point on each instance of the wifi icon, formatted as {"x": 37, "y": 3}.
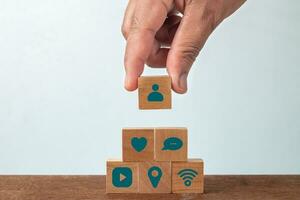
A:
{"x": 187, "y": 176}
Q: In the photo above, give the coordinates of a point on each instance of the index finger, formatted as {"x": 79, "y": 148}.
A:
{"x": 149, "y": 16}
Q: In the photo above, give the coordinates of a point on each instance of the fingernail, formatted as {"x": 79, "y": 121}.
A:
{"x": 183, "y": 81}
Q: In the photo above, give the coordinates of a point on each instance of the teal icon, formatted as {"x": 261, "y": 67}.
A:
{"x": 155, "y": 96}
{"x": 154, "y": 174}
{"x": 122, "y": 177}
{"x": 187, "y": 176}
{"x": 139, "y": 144}
{"x": 172, "y": 144}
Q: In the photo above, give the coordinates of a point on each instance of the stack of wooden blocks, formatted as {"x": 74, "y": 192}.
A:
{"x": 155, "y": 160}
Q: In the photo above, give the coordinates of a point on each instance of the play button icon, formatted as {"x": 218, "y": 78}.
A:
{"x": 122, "y": 177}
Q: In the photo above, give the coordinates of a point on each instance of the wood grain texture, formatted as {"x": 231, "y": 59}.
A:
{"x": 145, "y": 88}
{"x": 93, "y": 188}
{"x": 196, "y": 183}
{"x": 164, "y": 184}
{"x": 162, "y": 154}
{"x": 132, "y": 166}
{"x": 129, "y": 152}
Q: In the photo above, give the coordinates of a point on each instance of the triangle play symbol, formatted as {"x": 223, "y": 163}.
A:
{"x": 122, "y": 177}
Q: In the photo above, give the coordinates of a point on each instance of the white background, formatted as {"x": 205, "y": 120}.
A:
{"x": 62, "y": 102}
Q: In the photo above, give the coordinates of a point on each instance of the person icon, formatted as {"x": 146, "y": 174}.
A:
{"x": 155, "y": 96}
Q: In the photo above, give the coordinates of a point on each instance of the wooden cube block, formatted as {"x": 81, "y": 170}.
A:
{"x": 155, "y": 177}
{"x": 154, "y": 92}
{"x": 122, "y": 177}
{"x": 138, "y": 144}
{"x": 188, "y": 177}
{"x": 170, "y": 144}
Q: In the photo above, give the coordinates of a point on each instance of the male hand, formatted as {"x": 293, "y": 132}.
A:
{"x": 169, "y": 33}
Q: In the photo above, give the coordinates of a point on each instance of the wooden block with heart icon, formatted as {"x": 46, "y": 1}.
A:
{"x": 138, "y": 144}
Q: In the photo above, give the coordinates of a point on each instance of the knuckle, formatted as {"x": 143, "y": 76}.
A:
{"x": 188, "y": 2}
{"x": 188, "y": 53}
{"x": 165, "y": 5}
{"x": 135, "y": 22}
{"x": 209, "y": 18}
{"x": 135, "y": 25}
{"x": 209, "y": 10}
{"x": 125, "y": 31}
{"x": 211, "y": 13}
{"x": 137, "y": 28}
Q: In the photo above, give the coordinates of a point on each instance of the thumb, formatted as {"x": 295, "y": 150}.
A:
{"x": 195, "y": 27}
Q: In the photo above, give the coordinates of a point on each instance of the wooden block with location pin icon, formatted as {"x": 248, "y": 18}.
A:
{"x": 188, "y": 177}
{"x": 155, "y": 177}
{"x": 154, "y": 92}
{"x": 122, "y": 177}
{"x": 138, "y": 144}
{"x": 170, "y": 144}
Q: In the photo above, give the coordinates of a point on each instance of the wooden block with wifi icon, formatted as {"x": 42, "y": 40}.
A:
{"x": 188, "y": 177}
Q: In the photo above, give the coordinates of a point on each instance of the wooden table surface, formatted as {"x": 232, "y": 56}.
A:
{"x": 93, "y": 187}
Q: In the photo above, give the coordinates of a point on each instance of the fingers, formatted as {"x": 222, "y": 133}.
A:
{"x": 159, "y": 59}
{"x": 192, "y": 33}
{"x": 164, "y": 37}
{"x": 128, "y": 16}
{"x": 146, "y": 21}
{"x": 167, "y": 32}
{"x": 149, "y": 34}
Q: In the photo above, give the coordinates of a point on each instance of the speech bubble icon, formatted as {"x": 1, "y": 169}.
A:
{"x": 172, "y": 144}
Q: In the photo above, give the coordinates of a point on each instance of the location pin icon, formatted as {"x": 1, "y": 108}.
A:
{"x": 154, "y": 174}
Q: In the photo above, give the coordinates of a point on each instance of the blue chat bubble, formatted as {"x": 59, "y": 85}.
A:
{"x": 172, "y": 143}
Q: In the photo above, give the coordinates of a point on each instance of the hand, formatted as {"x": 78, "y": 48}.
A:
{"x": 169, "y": 33}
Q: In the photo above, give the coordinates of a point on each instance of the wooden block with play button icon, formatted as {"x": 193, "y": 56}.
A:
{"x": 138, "y": 144}
{"x": 122, "y": 177}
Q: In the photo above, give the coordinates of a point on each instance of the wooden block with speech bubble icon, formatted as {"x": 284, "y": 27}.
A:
{"x": 170, "y": 144}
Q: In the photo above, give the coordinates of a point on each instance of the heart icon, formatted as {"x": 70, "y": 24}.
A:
{"x": 139, "y": 144}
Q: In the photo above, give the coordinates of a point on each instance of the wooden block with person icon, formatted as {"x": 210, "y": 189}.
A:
{"x": 154, "y": 92}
